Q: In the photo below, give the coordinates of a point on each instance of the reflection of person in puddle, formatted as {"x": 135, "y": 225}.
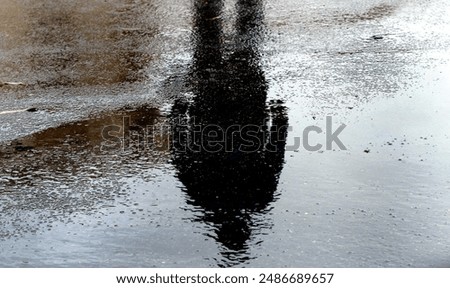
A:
{"x": 227, "y": 157}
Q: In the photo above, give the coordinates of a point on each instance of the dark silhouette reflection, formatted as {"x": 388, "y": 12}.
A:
{"x": 230, "y": 169}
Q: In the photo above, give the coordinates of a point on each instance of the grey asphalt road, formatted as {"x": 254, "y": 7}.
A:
{"x": 73, "y": 196}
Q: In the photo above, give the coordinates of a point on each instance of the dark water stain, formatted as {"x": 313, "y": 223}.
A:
{"x": 374, "y": 13}
{"x": 89, "y": 133}
{"x": 342, "y": 17}
{"x": 120, "y": 134}
{"x": 233, "y": 184}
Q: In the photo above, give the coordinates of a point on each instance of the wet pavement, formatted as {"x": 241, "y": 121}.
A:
{"x": 97, "y": 174}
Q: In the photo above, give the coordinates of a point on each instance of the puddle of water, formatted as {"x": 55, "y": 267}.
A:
{"x": 167, "y": 206}
{"x": 73, "y": 168}
{"x": 230, "y": 91}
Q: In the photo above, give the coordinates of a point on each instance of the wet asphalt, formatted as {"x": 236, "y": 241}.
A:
{"x": 102, "y": 164}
